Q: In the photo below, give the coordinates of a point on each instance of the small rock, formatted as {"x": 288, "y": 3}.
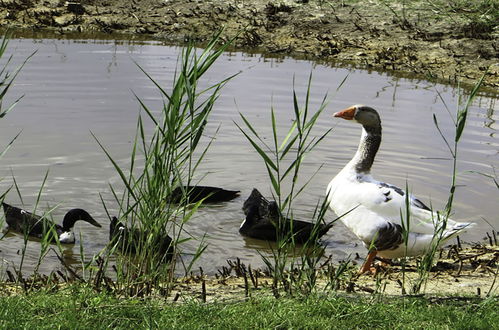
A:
{"x": 63, "y": 20}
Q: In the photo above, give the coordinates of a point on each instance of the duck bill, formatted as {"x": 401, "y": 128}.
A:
{"x": 348, "y": 113}
{"x": 93, "y": 222}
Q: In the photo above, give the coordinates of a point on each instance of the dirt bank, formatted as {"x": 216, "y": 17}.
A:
{"x": 432, "y": 40}
{"x": 457, "y": 272}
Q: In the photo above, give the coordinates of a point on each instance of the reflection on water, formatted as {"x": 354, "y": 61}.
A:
{"x": 76, "y": 87}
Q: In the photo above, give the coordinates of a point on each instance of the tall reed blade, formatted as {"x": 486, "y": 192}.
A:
{"x": 283, "y": 160}
{"x": 161, "y": 161}
{"x": 440, "y": 223}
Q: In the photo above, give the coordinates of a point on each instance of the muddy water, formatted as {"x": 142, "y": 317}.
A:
{"x": 74, "y": 87}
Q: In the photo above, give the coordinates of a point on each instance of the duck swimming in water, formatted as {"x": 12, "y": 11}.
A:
{"x": 375, "y": 208}
{"x": 33, "y": 225}
{"x": 206, "y": 193}
{"x": 128, "y": 239}
{"x": 262, "y": 218}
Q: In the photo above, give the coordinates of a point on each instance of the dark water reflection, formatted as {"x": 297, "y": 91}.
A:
{"x": 74, "y": 87}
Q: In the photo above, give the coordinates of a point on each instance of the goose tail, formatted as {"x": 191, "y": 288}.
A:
{"x": 457, "y": 228}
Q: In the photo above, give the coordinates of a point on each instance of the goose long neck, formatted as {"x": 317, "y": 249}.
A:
{"x": 370, "y": 141}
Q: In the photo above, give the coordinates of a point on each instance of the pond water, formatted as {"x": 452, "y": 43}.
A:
{"x": 74, "y": 87}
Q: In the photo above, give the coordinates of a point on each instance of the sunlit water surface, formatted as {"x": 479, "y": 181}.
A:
{"x": 74, "y": 87}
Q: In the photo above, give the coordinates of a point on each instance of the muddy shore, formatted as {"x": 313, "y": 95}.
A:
{"x": 471, "y": 271}
{"x": 457, "y": 273}
{"x": 418, "y": 42}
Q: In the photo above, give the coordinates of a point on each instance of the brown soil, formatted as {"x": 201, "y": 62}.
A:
{"x": 466, "y": 272}
{"x": 443, "y": 46}
{"x": 458, "y": 273}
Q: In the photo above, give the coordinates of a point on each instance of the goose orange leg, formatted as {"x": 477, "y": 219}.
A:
{"x": 368, "y": 263}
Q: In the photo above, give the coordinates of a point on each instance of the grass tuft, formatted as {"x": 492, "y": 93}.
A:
{"x": 78, "y": 307}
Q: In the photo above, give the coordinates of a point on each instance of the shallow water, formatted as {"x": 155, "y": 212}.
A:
{"x": 74, "y": 87}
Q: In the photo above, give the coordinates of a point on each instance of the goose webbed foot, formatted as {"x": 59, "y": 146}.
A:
{"x": 368, "y": 264}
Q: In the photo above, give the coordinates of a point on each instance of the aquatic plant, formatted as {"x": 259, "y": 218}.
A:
{"x": 283, "y": 161}
{"x": 160, "y": 162}
{"x": 425, "y": 263}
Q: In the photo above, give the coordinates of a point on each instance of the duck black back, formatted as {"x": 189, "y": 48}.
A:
{"x": 264, "y": 221}
{"x": 129, "y": 240}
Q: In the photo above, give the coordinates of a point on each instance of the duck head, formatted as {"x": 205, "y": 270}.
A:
{"x": 364, "y": 115}
{"x": 67, "y": 236}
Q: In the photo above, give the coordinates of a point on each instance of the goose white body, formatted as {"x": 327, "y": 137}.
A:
{"x": 374, "y": 205}
{"x": 376, "y": 212}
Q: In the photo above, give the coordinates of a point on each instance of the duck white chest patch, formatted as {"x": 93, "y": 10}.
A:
{"x": 67, "y": 237}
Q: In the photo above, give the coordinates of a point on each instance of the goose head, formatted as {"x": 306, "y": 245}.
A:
{"x": 370, "y": 139}
{"x": 364, "y": 115}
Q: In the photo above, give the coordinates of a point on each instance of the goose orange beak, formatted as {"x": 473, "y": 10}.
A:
{"x": 347, "y": 113}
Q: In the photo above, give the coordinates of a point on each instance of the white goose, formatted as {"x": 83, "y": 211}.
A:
{"x": 372, "y": 208}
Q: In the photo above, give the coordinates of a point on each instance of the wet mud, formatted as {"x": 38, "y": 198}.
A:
{"x": 458, "y": 273}
{"x": 417, "y": 42}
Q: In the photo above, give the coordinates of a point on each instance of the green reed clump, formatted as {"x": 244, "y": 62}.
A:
{"x": 425, "y": 263}
{"x": 161, "y": 161}
{"x": 6, "y": 77}
{"x": 283, "y": 161}
{"x": 6, "y": 82}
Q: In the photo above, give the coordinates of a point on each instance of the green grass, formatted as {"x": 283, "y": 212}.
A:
{"x": 476, "y": 19}
{"x": 459, "y": 18}
{"x": 77, "y": 307}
